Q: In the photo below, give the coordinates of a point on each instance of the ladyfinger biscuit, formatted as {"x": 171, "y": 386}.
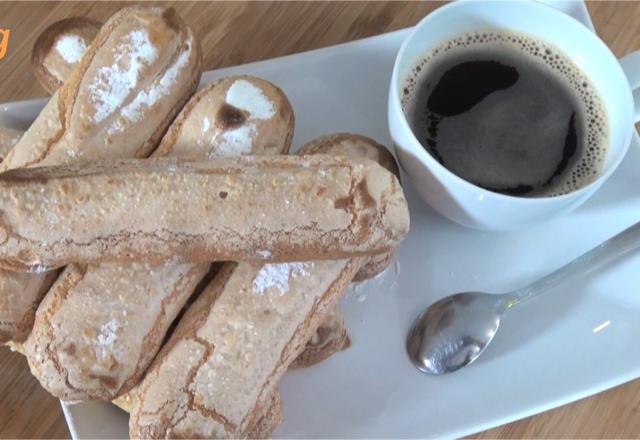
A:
{"x": 236, "y": 115}
{"x": 114, "y": 293}
{"x": 137, "y": 73}
{"x": 222, "y": 209}
{"x": 77, "y": 126}
{"x": 77, "y": 348}
{"x": 59, "y": 48}
{"x": 9, "y": 137}
{"x": 232, "y": 346}
{"x": 355, "y": 145}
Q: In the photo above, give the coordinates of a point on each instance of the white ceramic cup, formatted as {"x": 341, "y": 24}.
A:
{"x": 468, "y": 204}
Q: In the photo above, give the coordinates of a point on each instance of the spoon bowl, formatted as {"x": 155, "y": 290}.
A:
{"x": 454, "y": 331}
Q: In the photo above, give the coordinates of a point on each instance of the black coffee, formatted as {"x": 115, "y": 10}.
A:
{"x": 509, "y": 113}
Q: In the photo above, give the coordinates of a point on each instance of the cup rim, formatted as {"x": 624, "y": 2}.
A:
{"x": 424, "y": 156}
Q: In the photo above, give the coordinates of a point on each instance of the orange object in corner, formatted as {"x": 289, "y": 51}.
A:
{"x": 4, "y": 42}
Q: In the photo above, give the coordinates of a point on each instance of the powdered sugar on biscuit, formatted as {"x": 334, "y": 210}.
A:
{"x": 277, "y": 276}
{"x": 114, "y": 83}
{"x": 235, "y": 142}
{"x": 206, "y": 124}
{"x": 147, "y": 98}
{"x": 71, "y": 48}
{"x": 115, "y": 127}
{"x": 246, "y": 96}
{"x": 108, "y": 333}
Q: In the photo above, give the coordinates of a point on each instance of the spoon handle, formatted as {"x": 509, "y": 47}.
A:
{"x": 619, "y": 244}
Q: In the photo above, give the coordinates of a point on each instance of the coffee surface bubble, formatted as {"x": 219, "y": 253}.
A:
{"x": 509, "y": 113}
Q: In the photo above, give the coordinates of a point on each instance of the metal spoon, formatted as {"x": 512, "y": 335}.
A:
{"x": 452, "y": 332}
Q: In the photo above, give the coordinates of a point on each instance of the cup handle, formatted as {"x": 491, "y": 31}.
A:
{"x": 631, "y": 66}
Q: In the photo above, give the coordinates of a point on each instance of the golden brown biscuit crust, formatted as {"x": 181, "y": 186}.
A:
{"x": 223, "y": 209}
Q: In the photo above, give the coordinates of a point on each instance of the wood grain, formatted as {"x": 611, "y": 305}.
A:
{"x": 234, "y": 33}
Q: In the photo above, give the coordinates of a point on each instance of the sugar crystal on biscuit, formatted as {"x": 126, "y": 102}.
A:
{"x": 277, "y": 276}
{"x": 113, "y": 83}
{"x": 71, "y": 48}
{"x": 244, "y": 95}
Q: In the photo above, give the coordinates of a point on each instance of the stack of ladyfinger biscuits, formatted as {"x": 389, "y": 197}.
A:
{"x": 121, "y": 201}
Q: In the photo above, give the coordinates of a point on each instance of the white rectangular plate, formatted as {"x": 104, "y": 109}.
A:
{"x": 578, "y": 340}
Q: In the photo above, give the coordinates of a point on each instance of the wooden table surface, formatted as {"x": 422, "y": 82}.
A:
{"x": 234, "y": 33}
